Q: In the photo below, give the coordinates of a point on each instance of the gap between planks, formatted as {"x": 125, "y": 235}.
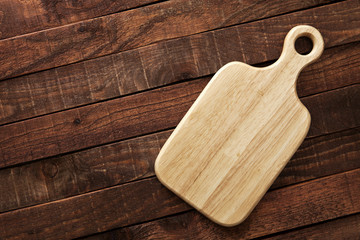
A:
{"x": 48, "y": 11}
{"x": 170, "y": 108}
{"x": 91, "y": 54}
{"x": 339, "y": 226}
{"x": 309, "y": 150}
{"x": 11, "y": 99}
{"x": 310, "y": 70}
{"x": 199, "y": 222}
{"x": 339, "y": 205}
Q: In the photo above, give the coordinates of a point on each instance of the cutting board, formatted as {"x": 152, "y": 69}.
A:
{"x": 239, "y": 134}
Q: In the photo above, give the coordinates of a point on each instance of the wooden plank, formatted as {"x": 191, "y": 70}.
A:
{"x": 123, "y": 73}
{"x": 141, "y": 114}
{"x": 80, "y": 172}
{"x": 34, "y": 190}
{"x": 20, "y": 17}
{"x": 336, "y": 68}
{"x": 96, "y": 124}
{"x": 278, "y": 211}
{"x": 287, "y": 208}
{"x": 342, "y": 228}
{"x": 322, "y": 156}
{"x": 331, "y": 111}
{"x": 61, "y": 219}
{"x": 117, "y": 163}
{"x": 114, "y": 33}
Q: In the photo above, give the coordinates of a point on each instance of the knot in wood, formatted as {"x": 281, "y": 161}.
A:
{"x": 77, "y": 121}
{"x": 50, "y": 169}
{"x": 82, "y": 29}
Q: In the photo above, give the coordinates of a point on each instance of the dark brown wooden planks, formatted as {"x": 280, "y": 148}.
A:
{"x": 287, "y": 208}
{"x": 331, "y": 113}
{"x": 322, "y": 156}
{"x": 90, "y": 213}
{"x": 51, "y": 170}
{"x": 126, "y": 117}
{"x": 115, "y": 33}
{"x": 89, "y": 174}
{"x": 337, "y": 67}
{"x": 144, "y": 113}
{"x": 117, "y": 163}
{"x": 20, "y": 17}
{"x": 342, "y": 228}
{"x": 97, "y": 124}
{"x": 279, "y": 210}
{"x": 80, "y": 172}
{"x": 157, "y": 65}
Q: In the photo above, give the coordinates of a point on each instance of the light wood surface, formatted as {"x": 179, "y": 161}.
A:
{"x": 239, "y": 134}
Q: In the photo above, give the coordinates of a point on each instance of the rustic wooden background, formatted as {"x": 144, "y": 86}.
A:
{"x": 90, "y": 91}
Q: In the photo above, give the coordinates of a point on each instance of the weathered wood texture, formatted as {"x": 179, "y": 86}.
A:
{"x": 97, "y": 124}
{"x": 99, "y": 167}
{"x": 167, "y": 62}
{"x": 105, "y": 180}
{"x": 278, "y": 211}
{"x": 115, "y": 33}
{"x": 342, "y": 228}
{"x": 81, "y": 172}
{"x": 20, "y": 17}
{"x": 88, "y": 213}
{"x": 282, "y": 209}
{"x": 322, "y": 156}
{"x": 108, "y": 165}
{"x": 142, "y": 114}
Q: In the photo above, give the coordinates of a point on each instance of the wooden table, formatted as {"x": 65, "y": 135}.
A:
{"x": 90, "y": 91}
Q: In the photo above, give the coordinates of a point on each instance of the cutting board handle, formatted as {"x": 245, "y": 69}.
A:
{"x": 289, "y": 53}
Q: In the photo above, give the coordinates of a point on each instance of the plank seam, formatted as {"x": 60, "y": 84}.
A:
{"x": 89, "y": 19}
{"x": 302, "y": 227}
{"x": 163, "y": 40}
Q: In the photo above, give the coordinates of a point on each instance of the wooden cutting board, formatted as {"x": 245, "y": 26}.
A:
{"x": 239, "y": 134}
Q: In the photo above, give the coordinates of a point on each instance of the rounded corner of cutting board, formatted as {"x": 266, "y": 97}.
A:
{"x": 227, "y": 223}
{"x": 157, "y": 170}
{"x": 307, "y": 118}
{"x": 232, "y": 221}
{"x": 235, "y": 64}
{"x": 160, "y": 176}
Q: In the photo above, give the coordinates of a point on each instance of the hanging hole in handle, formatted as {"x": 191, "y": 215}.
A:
{"x": 296, "y": 51}
{"x": 304, "y": 45}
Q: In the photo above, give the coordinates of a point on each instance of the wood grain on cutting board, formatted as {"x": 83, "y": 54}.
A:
{"x": 101, "y": 178}
{"x": 239, "y": 134}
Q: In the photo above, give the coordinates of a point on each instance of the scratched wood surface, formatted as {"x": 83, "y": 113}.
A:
{"x": 91, "y": 90}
